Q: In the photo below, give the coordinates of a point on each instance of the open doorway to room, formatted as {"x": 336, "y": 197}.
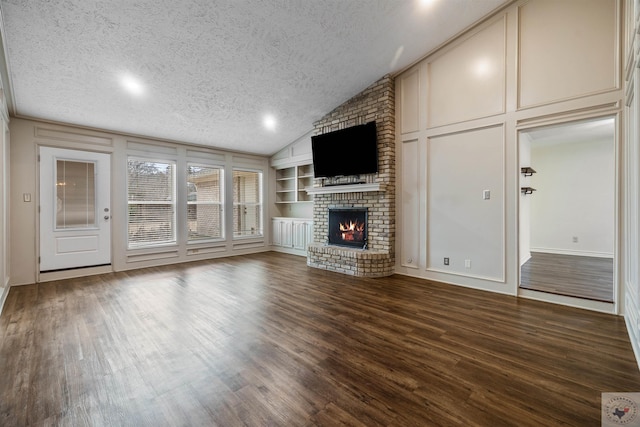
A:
{"x": 567, "y": 209}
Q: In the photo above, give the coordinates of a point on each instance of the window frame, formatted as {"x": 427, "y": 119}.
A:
{"x": 173, "y": 203}
{"x": 221, "y": 203}
{"x": 260, "y": 203}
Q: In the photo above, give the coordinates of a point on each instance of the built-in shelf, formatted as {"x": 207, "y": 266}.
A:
{"x": 527, "y": 190}
{"x": 527, "y": 171}
{"x": 347, "y": 188}
{"x": 291, "y": 183}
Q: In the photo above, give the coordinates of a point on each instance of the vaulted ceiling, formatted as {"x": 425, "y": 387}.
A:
{"x": 244, "y": 75}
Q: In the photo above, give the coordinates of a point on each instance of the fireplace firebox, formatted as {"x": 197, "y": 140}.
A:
{"x": 348, "y": 227}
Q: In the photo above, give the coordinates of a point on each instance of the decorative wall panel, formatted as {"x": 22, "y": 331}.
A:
{"x": 468, "y": 81}
{"x": 410, "y": 199}
{"x": 463, "y": 226}
{"x": 567, "y": 49}
{"x": 410, "y": 84}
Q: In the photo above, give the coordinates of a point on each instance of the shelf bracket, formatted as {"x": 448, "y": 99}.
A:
{"x": 527, "y": 171}
{"x": 527, "y": 190}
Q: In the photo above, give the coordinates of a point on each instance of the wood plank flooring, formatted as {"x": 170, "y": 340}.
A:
{"x": 264, "y": 340}
{"x": 576, "y": 276}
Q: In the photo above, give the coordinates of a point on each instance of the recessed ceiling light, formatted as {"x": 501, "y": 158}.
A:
{"x": 131, "y": 84}
{"x": 269, "y": 122}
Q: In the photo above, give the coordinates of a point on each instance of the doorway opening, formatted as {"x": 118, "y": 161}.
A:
{"x": 567, "y": 209}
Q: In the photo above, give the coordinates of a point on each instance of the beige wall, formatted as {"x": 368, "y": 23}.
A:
{"x": 5, "y": 201}
{"x": 459, "y": 110}
{"x": 28, "y": 135}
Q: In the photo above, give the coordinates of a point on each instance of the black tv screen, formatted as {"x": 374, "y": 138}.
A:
{"x": 350, "y": 151}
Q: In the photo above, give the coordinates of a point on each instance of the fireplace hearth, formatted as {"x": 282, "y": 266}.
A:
{"x": 348, "y": 227}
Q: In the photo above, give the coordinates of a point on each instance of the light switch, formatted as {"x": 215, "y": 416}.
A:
{"x": 26, "y": 197}
{"x": 486, "y": 194}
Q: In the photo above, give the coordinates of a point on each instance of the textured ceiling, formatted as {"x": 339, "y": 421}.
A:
{"x": 210, "y": 70}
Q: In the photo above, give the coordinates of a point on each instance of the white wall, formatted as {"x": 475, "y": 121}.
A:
{"x": 524, "y": 226}
{"x": 575, "y": 198}
{"x": 28, "y": 135}
{"x": 535, "y": 63}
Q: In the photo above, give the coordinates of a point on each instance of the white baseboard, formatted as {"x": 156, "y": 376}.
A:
{"x": 290, "y": 251}
{"x": 574, "y": 253}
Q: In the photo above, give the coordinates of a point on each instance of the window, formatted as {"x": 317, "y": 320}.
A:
{"x": 204, "y": 202}
{"x": 151, "y": 198}
{"x": 75, "y": 194}
{"x": 247, "y": 203}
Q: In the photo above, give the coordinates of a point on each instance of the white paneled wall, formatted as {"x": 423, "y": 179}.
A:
{"x": 468, "y": 82}
{"x": 410, "y": 225}
{"x": 459, "y": 113}
{"x": 568, "y": 49}
{"x": 630, "y": 164}
{"x": 466, "y": 226}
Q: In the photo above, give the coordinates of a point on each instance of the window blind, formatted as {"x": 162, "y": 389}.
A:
{"x": 151, "y": 199}
{"x": 205, "y": 202}
{"x": 247, "y": 203}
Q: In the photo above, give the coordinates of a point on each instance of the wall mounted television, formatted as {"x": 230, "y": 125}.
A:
{"x": 344, "y": 152}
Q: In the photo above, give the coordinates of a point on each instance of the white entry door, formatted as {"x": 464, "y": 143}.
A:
{"x": 75, "y": 209}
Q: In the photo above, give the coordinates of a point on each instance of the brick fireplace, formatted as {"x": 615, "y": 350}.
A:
{"x": 376, "y": 196}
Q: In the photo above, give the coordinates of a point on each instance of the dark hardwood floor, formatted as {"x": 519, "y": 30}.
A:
{"x": 264, "y": 340}
{"x": 570, "y": 275}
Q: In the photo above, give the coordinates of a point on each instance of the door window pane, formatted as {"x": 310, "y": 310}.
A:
{"x": 75, "y": 194}
{"x": 204, "y": 202}
{"x": 247, "y": 203}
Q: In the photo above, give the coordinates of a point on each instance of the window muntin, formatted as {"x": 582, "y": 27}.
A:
{"x": 247, "y": 203}
{"x": 151, "y": 194}
{"x": 205, "y": 202}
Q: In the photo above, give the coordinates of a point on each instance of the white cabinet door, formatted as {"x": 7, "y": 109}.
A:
{"x": 300, "y": 235}
{"x": 287, "y": 234}
{"x": 292, "y": 233}
{"x": 276, "y": 232}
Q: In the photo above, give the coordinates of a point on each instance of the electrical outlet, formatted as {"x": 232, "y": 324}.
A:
{"x": 575, "y": 239}
{"x": 446, "y": 261}
{"x": 467, "y": 263}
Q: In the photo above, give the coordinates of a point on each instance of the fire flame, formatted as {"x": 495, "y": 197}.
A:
{"x": 349, "y": 230}
{"x": 351, "y": 226}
